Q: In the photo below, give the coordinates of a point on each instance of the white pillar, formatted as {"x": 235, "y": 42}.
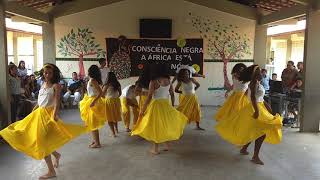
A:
{"x": 15, "y": 48}
{"x": 4, "y": 89}
{"x": 311, "y": 95}
{"x": 260, "y": 45}
{"x": 35, "y": 54}
{"x": 49, "y": 45}
{"x": 289, "y": 50}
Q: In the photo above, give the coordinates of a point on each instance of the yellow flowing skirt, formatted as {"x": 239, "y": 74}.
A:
{"x": 242, "y": 128}
{"x": 142, "y": 100}
{"x": 93, "y": 117}
{"x": 161, "y": 122}
{"x": 113, "y": 109}
{"x": 190, "y": 107}
{"x": 124, "y": 106}
{"x": 38, "y": 134}
{"x": 233, "y": 104}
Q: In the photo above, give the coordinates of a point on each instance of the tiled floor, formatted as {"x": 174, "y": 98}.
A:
{"x": 200, "y": 155}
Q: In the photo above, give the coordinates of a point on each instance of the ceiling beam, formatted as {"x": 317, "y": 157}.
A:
{"x": 229, "y": 7}
{"x": 73, "y": 7}
{"x": 26, "y": 12}
{"x": 303, "y": 2}
{"x": 283, "y": 14}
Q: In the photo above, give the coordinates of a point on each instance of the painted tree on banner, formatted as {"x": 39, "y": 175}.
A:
{"x": 80, "y": 43}
{"x": 223, "y": 41}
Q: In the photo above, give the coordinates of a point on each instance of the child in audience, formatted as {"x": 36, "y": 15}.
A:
{"x": 16, "y": 91}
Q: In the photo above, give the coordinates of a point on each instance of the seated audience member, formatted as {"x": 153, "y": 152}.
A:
{"x": 73, "y": 88}
{"x": 265, "y": 80}
{"x": 274, "y": 76}
{"x": 22, "y": 70}
{"x": 15, "y": 90}
{"x": 35, "y": 86}
{"x": 289, "y": 76}
{"x": 293, "y": 107}
{"x": 40, "y": 79}
{"x": 27, "y": 101}
{"x": 297, "y": 86}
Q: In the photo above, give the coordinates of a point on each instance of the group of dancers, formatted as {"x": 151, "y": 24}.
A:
{"x": 244, "y": 117}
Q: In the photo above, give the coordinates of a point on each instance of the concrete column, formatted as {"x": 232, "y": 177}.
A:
{"x": 35, "y": 54}
{"x": 4, "y": 89}
{"x": 268, "y": 49}
{"x": 260, "y": 45}
{"x": 15, "y": 48}
{"x": 289, "y": 50}
{"x": 310, "y": 115}
{"x": 49, "y": 45}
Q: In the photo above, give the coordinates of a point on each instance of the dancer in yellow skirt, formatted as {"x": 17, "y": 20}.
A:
{"x": 42, "y": 132}
{"x": 254, "y": 122}
{"x": 237, "y": 100}
{"x": 129, "y": 103}
{"x": 188, "y": 101}
{"x": 112, "y": 91}
{"x": 92, "y": 106}
{"x": 160, "y": 122}
{"x": 142, "y": 86}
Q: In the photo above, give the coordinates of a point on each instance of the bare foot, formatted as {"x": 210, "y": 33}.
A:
{"x": 244, "y": 152}
{"x": 49, "y": 175}
{"x": 199, "y": 128}
{"x": 257, "y": 161}
{"x": 95, "y": 145}
{"x": 154, "y": 152}
{"x": 57, "y": 160}
{"x": 91, "y": 144}
{"x": 167, "y": 147}
{"x": 113, "y": 135}
{"x": 128, "y": 130}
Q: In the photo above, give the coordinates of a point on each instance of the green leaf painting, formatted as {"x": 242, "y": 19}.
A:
{"x": 224, "y": 41}
{"x": 80, "y": 42}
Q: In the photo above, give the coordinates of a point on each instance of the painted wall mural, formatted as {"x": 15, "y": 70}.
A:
{"x": 80, "y": 43}
{"x": 223, "y": 41}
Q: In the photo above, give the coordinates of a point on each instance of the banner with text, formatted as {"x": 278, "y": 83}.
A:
{"x": 127, "y": 57}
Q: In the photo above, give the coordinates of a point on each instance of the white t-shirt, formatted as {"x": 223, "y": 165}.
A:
{"x": 190, "y": 68}
{"x": 128, "y": 93}
{"x": 104, "y": 74}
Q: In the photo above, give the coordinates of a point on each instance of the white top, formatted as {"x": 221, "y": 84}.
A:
{"x": 104, "y": 74}
{"x": 128, "y": 93}
{"x": 190, "y": 68}
{"x": 260, "y": 92}
{"x": 144, "y": 90}
{"x": 46, "y": 97}
{"x": 91, "y": 90}
{"x": 15, "y": 85}
{"x": 239, "y": 86}
{"x": 162, "y": 92}
{"x": 188, "y": 88}
{"x": 22, "y": 72}
{"x": 112, "y": 93}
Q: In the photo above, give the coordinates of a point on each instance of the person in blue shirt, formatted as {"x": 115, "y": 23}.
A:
{"x": 265, "y": 80}
{"x": 73, "y": 87}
